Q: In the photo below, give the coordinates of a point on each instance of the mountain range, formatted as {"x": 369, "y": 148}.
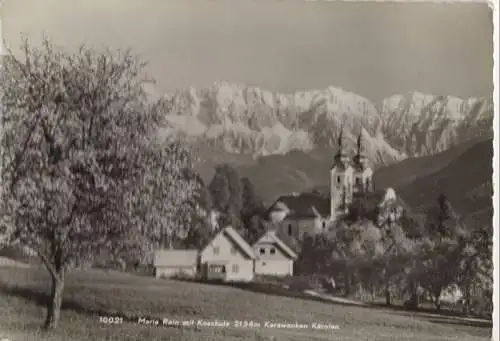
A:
{"x": 419, "y": 144}
{"x": 250, "y": 121}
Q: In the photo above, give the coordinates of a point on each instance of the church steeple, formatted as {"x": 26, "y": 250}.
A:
{"x": 339, "y": 139}
{"x": 340, "y": 179}
{"x": 339, "y": 143}
{"x": 341, "y": 155}
{"x": 360, "y": 158}
{"x": 359, "y": 143}
{"x": 362, "y": 171}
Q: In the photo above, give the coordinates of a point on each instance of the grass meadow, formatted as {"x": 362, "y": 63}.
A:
{"x": 92, "y": 293}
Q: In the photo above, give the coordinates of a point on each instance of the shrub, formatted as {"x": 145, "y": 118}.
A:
{"x": 304, "y": 282}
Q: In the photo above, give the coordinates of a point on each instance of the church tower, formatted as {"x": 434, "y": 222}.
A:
{"x": 341, "y": 175}
{"x": 362, "y": 172}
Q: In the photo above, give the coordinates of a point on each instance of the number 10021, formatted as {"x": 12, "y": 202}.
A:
{"x": 110, "y": 319}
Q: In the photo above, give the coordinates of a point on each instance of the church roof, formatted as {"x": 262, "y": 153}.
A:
{"x": 359, "y": 167}
{"x": 339, "y": 165}
{"x": 360, "y": 162}
{"x": 305, "y": 205}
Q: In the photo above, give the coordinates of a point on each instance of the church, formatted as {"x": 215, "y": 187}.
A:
{"x": 350, "y": 176}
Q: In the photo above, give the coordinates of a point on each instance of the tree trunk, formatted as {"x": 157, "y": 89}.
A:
{"x": 437, "y": 298}
{"x": 414, "y": 301}
{"x": 467, "y": 305}
{"x": 388, "y": 300}
{"x": 347, "y": 288}
{"x": 54, "y": 305}
{"x": 437, "y": 302}
{"x": 466, "y": 301}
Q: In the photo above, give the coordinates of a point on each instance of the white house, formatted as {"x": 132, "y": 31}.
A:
{"x": 171, "y": 263}
{"x": 274, "y": 257}
{"x": 227, "y": 257}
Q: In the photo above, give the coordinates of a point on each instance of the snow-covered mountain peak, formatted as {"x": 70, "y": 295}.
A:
{"x": 250, "y": 120}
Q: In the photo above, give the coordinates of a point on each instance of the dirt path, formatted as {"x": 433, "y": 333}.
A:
{"x": 333, "y": 298}
{"x": 456, "y": 318}
{"x": 417, "y": 313}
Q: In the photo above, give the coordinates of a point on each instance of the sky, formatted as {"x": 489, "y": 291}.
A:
{"x": 372, "y": 49}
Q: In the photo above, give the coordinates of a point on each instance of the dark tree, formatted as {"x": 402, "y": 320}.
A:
{"x": 250, "y": 201}
{"x": 443, "y": 215}
{"x": 226, "y": 192}
{"x": 252, "y": 212}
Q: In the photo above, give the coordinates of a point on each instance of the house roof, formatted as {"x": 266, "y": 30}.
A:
{"x": 238, "y": 240}
{"x": 175, "y": 258}
{"x": 235, "y": 238}
{"x": 274, "y": 238}
{"x": 305, "y": 205}
{"x": 293, "y": 243}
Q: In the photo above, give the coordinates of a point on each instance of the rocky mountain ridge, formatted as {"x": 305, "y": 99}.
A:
{"x": 240, "y": 119}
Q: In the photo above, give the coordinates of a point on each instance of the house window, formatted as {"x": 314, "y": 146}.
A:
{"x": 217, "y": 268}
{"x": 358, "y": 181}
{"x": 272, "y": 251}
{"x": 233, "y": 250}
{"x": 262, "y": 251}
{"x": 289, "y": 229}
{"x": 235, "y": 268}
{"x": 216, "y": 250}
{"x": 324, "y": 225}
{"x": 338, "y": 179}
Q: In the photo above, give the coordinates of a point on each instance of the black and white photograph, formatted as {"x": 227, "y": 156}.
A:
{"x": 252, "y": 170}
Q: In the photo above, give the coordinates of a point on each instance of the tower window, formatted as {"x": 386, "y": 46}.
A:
{"x": 358, "y": 181}
{"x": 338, "y": 179}
{"x": 289, "y": 229}
{"x": 324, "y": 225}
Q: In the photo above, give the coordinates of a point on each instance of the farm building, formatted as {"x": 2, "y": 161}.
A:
{"x": 171, "y": 263}
{"x": 274, "y": 257}
{"x": 228, "y": 257}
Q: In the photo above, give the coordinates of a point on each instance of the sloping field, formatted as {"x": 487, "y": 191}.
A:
{"x": 90, "y": 294}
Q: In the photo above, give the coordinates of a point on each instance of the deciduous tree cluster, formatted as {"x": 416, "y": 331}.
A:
{"x": 394, "y": 262}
